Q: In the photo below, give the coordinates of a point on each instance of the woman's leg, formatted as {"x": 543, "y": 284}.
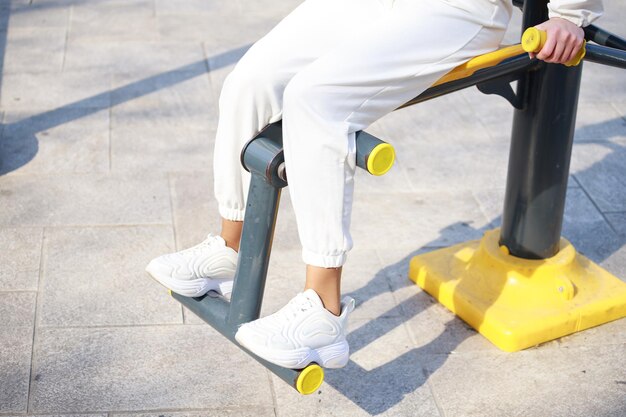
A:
{"x": 380, "y": 67}
{"x": 252, "y": 97}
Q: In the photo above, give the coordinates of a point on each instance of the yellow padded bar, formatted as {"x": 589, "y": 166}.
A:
{"x": 533, "y": 40}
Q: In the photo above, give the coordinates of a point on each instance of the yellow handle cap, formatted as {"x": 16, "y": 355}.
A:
{"x": 310, "y": 379}
{"x": 381, "y": 159}
{"x": 533, "y": 39}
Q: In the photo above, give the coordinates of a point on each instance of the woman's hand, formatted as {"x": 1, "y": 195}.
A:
{"x": 564, "y": 41}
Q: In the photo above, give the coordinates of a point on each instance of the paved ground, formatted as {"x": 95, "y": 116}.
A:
{"x": 108, "y": 113}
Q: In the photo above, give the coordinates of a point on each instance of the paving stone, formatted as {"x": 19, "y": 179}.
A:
{"x": 383, "y": 362}
{"x": 16, "y": 335}
{"x": 615, "y": 262}
{"x": 598, "y": 121}
{"x": 55, "y": 92}
{"x": 617, "y": 221}
{"x": 583, "y": 225}
{"x": 221, "y": 412}
{"x": 143, "y": 368}
{"x": 17, "y": 309}
{"x": 84, "y": 199}
{"x": 601, "y": 82}
{"x": 34, "y": 50}
{"x": 598, "y": 167}
{"x": 51, "y": 143}
{"x": 78, "y": 291}
{"x": 195, "y": 7}
{"x": 8, "y": 8}
{"x": 15, "y": 354}
{"x": 455, "y": 156}
{"x": 20, "y": 257}
{"x": 420, "y": 218}
{"x": 556, "y": 382}
{"x": 179, "y": 97}
{"x": 37, "y": 14}
{"x": 120, "y": 57}
{"x": 154, "y": 140}
{"x": 117, "y": 19}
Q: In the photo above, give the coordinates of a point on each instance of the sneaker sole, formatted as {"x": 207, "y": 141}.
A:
{"x": 194, "y": 287}
{"x": 332, "y": 356}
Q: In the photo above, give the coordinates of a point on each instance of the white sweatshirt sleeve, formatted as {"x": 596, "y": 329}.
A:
{"x": 579, "y": 12}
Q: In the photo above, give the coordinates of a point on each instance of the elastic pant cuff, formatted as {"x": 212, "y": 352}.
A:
{"x": 232, "y": 214}
{"x": 324, "y": 261}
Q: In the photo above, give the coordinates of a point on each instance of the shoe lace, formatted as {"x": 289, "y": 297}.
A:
{"x": 206, "y": 243}
{"x": 297, "y": 305}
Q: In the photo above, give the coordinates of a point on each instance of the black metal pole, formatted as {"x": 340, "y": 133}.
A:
{"x": 541, "y": 145}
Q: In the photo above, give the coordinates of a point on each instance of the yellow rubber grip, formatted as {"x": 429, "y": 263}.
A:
{"x": 534, "y": 39}
{"x": 381, "y": 159}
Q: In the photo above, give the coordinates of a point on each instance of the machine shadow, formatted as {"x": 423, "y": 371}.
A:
{"x": 392, "y": 381}
{"x": 20, "y": 144}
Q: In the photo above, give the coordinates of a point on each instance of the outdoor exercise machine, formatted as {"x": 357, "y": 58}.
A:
{"x": 519, "y": 285}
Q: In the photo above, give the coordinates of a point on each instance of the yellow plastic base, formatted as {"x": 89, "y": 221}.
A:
{"x": 310, "y": 379}
{"x": 518, "y": 303}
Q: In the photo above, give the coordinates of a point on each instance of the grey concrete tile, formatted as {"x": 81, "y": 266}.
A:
{"x": 35, "y": 14}
{"x": 120, "y": 57}
{"x": 200, "y": 27}
{"x": 113, "y": 20}
{"x": 55, "y": 91}
{"x": 20, "y": 257}
{"x": 163, "y": 123}
{"x": 615, "y": 262}
{"x": 421, "y": 219}
{"x": 556, "y": 382}
{"x": 8, "y": 8}
{"x": 598, "y": 121}
{"x": 15, "y": 356}
{"x": 619, "y": 105}
{"x": 152, "y": 139}
{"x": 195, "y": 7}
{"x": 84, "y": 199}
{"x": 79, "y": 291}
{"x": 493, "y": 112}
{"x": 451, "y": 152}
{"x": 618, "y": 222}
{"x": 612, "y": 333}
{"x": 65, "y": 415}
{"x": 194, "y": 207}
{"x": 601, "y": 83}
{"x": 17, "y": 309}
{"x": 433, "y": 328}
{"x": 599, "y": 169}
{"x": 183, "y": 97}
{"x": 225, "y": 412}
{"x": 34, "y": 49}
{"x": 72, "y": 142}
{"x": 144, "y": 368}
{"x": 384, "y": 377}
{"x": 583, "y": 225}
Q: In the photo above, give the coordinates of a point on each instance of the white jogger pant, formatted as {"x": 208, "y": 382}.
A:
{"x": 328, "y": 70}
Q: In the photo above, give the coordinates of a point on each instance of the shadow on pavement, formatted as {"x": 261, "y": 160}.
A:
{"x": 18, "y": 149}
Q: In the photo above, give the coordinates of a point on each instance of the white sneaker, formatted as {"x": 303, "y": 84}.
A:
{"x": 300, "y": 333}
{"x": 193, "y": 272}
